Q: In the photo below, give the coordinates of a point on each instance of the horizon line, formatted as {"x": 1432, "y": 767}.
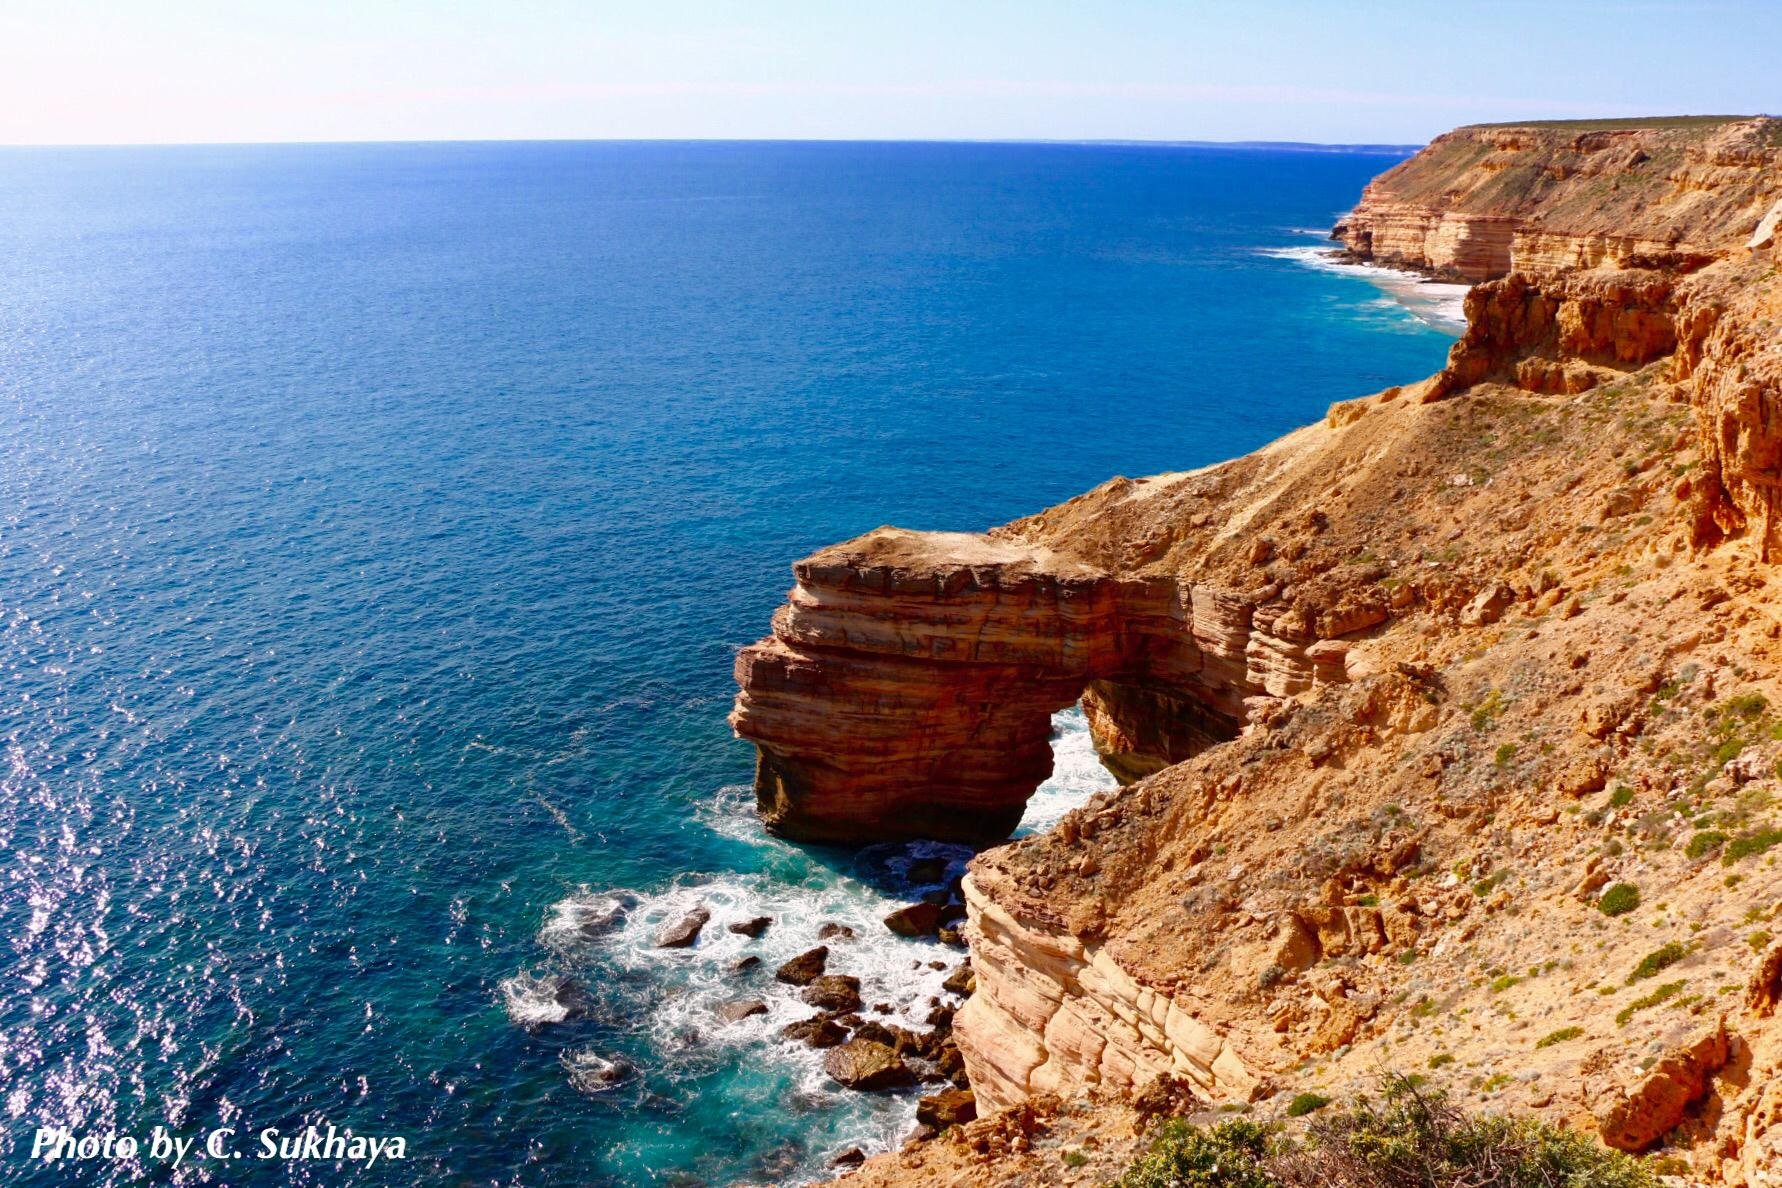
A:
{"x": 1011, "y": 140}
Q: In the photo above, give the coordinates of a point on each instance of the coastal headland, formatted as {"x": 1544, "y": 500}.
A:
{"x": 1449, "y": 727}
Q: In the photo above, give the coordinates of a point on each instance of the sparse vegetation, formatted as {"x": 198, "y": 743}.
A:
{"x": 1667, "y": 991}
{"x": 1410, "y": 1137}
{"x": 1560, "y": 1036}
{"x": 1490, "y": 883}
{"x": 1486, "y": 712}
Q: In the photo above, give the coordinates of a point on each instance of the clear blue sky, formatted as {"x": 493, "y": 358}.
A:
{"x": 112, "y": 71}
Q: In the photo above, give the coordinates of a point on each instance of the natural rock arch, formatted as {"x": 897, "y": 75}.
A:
{"x": 908, "y": 687}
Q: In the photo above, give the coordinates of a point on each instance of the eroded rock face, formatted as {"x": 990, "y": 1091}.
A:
{"x": 1454, "y": 627}
{"x": 1053, "y": 1014}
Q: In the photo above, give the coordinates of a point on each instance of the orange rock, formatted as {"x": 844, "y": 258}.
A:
{"x": 1651, "y": 1109}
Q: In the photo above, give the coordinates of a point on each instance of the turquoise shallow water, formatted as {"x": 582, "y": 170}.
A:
{"x": 377, "y": 524}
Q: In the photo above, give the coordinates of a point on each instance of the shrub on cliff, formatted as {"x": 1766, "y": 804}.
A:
{"x": 1411, "y": 1137}
{"x": 1229, "y": 1155}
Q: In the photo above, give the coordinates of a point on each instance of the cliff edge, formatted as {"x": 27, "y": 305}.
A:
{"x": 1449, "y": 727}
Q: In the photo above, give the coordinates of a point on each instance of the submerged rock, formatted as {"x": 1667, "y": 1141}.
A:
{"x": 833, "y": 931}
{"x": 590, "y": 1072}
{"x": 805, "y": 968}
{"x": 535, "y": 1000}
{"x": 585, "y": 917}
{"x": 685, "y": 931}
{"x": 868, "y": 1065}
{"x": 736, "y": 1012}
{"x": 926, "y": 870}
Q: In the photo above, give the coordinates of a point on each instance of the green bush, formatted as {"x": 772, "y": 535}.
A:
{"x": 1560, "y": 1036}
{"x": 1747, "y": 844}
{"x": 1230, "y": 1155}
{"x": 1305, "y": 1103}
{"x": 1412, "y": 1137}
{"x": 1705, "y": 843}
{"x": 1667, "y": 991}
{"x": 1619, "y": 900}
{"x": 1659, "y": 959}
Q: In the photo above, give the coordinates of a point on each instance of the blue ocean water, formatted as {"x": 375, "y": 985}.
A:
{"x": 377, "y": 526}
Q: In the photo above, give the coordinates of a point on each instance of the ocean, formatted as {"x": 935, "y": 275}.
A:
{"x": 377, "y": 527}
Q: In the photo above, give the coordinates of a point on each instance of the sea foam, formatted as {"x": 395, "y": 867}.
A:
{"x": 1434, "y": 303}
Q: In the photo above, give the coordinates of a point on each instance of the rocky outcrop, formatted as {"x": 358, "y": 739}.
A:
{"x": 1655, "y": 1106}
{"x": 1589, "y": 240}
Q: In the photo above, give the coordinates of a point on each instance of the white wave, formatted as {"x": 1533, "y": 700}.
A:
{"x": 538, "y": 1000}
{"x": 607, "y": 939}
{"x": 591, "y": 1072}
{"x": 1077, "y": 774}
{"x": 583, "y": 918}
{"x": 1435, "y": 303}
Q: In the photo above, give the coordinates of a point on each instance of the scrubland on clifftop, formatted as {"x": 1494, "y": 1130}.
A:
{"x": 1450, "y": 728}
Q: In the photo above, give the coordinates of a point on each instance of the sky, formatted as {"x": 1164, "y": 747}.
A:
{"x": 130, "y": 71}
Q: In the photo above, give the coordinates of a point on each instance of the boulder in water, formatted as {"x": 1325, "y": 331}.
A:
{"x": 751, "y": 928}
{"x": 866, "y": 1064}
{"x": 684, "y": 931}
{"x": 833, "y": 931}
{"x": 918, "y": 919}
{"x": 534, "y": 1000}
{"x": 835, "y": 993}
{"x": 805, "y": 968}
{"x": 818, "y": 1031}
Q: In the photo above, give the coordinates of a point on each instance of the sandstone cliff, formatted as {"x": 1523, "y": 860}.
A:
{"x": 1399, "y": 698}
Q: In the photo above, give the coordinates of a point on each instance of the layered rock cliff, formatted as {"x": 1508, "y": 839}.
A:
{"x": 1398, "y": 699}
{"x": 1483, "y": 201}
